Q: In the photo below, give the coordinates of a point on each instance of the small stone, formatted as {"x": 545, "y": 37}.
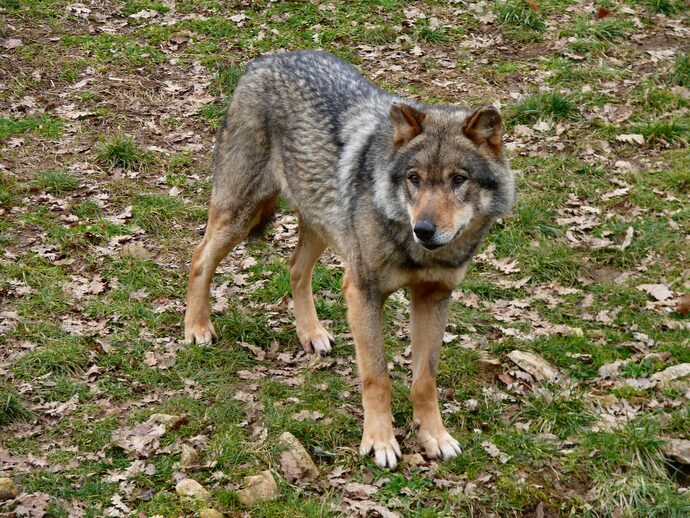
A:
{"x": 135, "y": 250}
{"x": 210, "y": 513}
{"x": 190, "y": 457}
{"x": 7, "y": 489}
{"x": 295, "y": 462}
{"x": 193, "y": 489}
{"x": 258, "y": 487}
{"x": 678, "y": 450}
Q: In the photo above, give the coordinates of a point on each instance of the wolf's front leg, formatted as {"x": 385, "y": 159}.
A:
{"x": 429, "y": 314}
{"x": 365, "y": 315}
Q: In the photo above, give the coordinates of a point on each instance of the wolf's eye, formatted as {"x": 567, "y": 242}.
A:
{"x": 458, "y": 179}
{"x": 413, "y": 178}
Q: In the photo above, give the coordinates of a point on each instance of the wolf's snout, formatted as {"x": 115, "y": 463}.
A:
{"x": 424, "y": 229}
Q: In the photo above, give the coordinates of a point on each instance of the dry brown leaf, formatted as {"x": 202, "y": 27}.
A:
{"x": 671, "y": 373}
{"x": 534, "y": 365}
{"x": 494, "y": 452}
{"x": 659, "y": 291}
{"x": 142, "y": 440}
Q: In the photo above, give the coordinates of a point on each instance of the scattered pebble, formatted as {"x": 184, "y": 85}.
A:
{"x": 193, "y": 489}
{"x": 7, "y": 489}
{"x": 257, "y": 488}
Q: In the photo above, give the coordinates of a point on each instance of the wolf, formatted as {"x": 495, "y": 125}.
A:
{"x": 403, "y": 191}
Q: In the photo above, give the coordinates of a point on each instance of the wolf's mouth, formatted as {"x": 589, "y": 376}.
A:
{"x": 431, "y": 246}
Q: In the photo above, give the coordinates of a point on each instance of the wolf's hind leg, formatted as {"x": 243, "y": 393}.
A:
{"x": 226, "y": 227}
{"x": 311, "y": 333}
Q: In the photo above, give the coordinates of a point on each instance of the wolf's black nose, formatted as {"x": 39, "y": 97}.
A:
{"x": 424, "y": 229}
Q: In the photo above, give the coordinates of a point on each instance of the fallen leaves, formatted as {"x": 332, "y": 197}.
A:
{"x": 32, "y": 505}
{"x": 660, "y": 292}
{"x": 633, "y": 138}
{"x": 535, "y": 365}
{"x": 671, "y": 373}
{"x": 11, "y": 43}
{"x": 143, "y": 440}
{"x": 494, "y": 452}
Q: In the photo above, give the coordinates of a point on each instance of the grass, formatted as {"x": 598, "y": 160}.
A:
{"x": 607, "y": 30}
{"x": 45, "y": 126}
{"x": 580, "y": 447}
{"x": 518, "y": 14}
{"x": 55, "y": 182}
{"x": 681, "y": 70}
{"x": 122, "y": 151}
{"x": 555, "y": 105}
{"x": 667, "y": 7}
{"x": 12, "y": 407}
{"x": 673, "y": 132}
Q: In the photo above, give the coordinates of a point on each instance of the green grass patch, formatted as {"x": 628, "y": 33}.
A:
{"x": 55, "y": 182}
{"x": 114, "y": 48}
{"x": 45, "y": 126}
{"x": 681, "y": 70}
{"x": 518, "y": 14}
{"x": 135, "y": 6}
{"x": 10, "y": 187}
{"x": 12, "y": 407}
{"x": 562, "y": 413}
{"x": 122, "y": 151}
{"x": 555, "y": 105}
{"x": 667, "y": 7}
{"x": 608, "y": 29}
{"x": 68, "y": 356}
{"x": 155, "y": 211}
{"x": 674, "y": 132}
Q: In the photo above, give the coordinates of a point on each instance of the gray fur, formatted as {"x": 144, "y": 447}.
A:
{"x": 309, "y": 126}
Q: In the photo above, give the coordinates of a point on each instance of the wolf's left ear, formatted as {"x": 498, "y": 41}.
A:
{"x": 485, "y": 127}
{"x": 407, "y": 123}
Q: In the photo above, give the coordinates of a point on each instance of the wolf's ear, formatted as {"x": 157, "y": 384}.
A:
{"x": 485, "y": 127}
{"x": 407, "y": 123}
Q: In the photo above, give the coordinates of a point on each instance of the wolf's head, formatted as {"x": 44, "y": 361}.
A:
{"x": 449, "y": 169}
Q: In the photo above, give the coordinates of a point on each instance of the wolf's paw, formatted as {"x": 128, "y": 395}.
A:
{"x": 439, "y": 445}
{"x": 385, "y": 447}
{"x": 200, "y": 333}
{"x": 316, "y": 340}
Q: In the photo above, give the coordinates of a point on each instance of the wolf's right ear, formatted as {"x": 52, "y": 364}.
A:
{"x": 407, "y": 123}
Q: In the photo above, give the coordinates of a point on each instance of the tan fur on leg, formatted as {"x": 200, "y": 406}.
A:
{"x": 224, "y": 230}
{"x": 429, "y": 313}
{"x": 312, "y": 335}
{"x": 365, "y": 315}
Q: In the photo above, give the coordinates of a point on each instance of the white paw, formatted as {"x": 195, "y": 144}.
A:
{"x": 438, "y": 446}
{"x": 385, "y": 447}
{"x": 202, "y": 333}
{"x": 316, "y": 340}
